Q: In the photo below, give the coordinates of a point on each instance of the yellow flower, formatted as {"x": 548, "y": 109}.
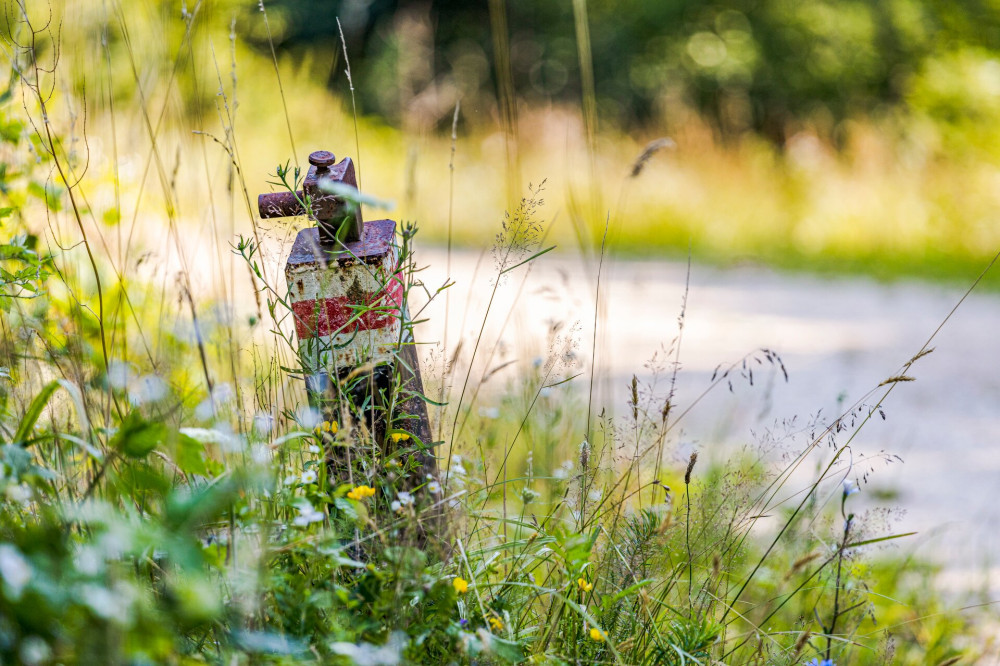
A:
{"x": 596, "y": 635}
{"x": 398, "y": 437}
{"x": 461, "y": 585}
{"x": 327, "y": 426}
{"x": 584, "y": 585}
{"x": 360, "y": 492}
{"x": 496, "y": 624}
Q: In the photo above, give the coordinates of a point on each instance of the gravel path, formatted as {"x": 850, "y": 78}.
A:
{"x": 838, "y": 339}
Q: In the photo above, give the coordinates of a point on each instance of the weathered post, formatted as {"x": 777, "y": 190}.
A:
{"x": 346, "y": 284}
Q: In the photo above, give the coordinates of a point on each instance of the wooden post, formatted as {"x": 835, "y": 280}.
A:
{"x": 346, "y": 285}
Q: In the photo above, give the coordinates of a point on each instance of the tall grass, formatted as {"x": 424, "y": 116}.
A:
{"x": 169, "y": 495}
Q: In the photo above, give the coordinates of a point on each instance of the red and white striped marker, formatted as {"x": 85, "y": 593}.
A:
{"x": 347, "y": 297}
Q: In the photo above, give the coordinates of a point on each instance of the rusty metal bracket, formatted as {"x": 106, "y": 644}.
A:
{"x": 339, "y": 221}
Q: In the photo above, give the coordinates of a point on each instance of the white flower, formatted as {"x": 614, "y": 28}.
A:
{"x": 227, "y": 441}
{"x": 119, "y": 374}
{"x": 148, "y": 388}
{"x": 15, "y": 570}
{"x": 18, "y": 493}
{"x": 850, "y": 488}
{"x": 434, "y": 487}
{"x": 594, "y": 495}
{"x": 489, "y": 412}
{"x": 308, "y": 418}
{"x": 34, "y": 650}
{"x": 89, "y": 561}
{"x": 105, "y": 603}
{"x": 312, "y": 448}
{"x": 307, "y": 515}
{"x": 263, "y": 423}
{"x": 222, "y": 393}
{"x": 368, "y": 654}
{"x": 291, "y": 479}
{"x": 309, "y": 476}
{"x": 260, "y": 453}
{"x": 564, "y": 470}
{"x": 396, "y": 506}
{"x": 405, "y": 498}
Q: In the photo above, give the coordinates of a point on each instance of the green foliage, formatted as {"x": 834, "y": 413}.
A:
{"x": 169, "y": 493}
{"x": 743, "y": 65}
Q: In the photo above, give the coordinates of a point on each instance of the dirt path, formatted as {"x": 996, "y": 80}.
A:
{"x": 838, "y": 339}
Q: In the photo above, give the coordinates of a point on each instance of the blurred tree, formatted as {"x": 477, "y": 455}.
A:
{"x": 745, "y": 65}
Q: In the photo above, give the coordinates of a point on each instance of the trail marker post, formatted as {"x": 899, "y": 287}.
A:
{"x": 346, "y": 284}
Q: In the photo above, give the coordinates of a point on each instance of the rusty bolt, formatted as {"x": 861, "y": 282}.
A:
{"x": 328, "y": 211}
{"x": 322, "y": 159}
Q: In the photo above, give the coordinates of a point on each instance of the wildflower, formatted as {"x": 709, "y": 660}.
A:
{"x": 148, "y": 388}
{"x": 327, "y": 426}
{"x": 849, "y": 489}
{"x": 434, "y": 487}
{"x": 496, "y": 624}
{"x": 15, "y": 569}
{"x": 584, "y": 585}
{"x": 461, "y": 585}
{"x": 360, "y": 492}
{"x": 308, "y": 417}
{"x": 564, "y": 470}
{"x": 463, "y": 622}
{"x": 307, "y": 515}
{"x": 398, "y": 437}
{"x": 312, "y": 448}
{"x": 403, "y": 500}
{"x": 596, "y": 635}
{"x": 817, "y": 662}
{"x": 263, "y": 423}
{"x": 309, "y": 476}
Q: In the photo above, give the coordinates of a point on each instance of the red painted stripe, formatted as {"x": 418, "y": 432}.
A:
{"x": 326, "y": 316}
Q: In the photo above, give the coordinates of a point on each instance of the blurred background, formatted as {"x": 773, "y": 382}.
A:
{"x": 831, "y": 136}
{"x": 846, "y": 139}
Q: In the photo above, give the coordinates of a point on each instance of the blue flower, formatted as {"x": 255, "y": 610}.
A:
{"x": 817, "y": 662}
{"x": 849, "y": 489}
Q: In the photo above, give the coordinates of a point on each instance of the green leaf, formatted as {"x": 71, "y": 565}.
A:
{"x": 347, "y": 507}
{"x": 531, "y": 258}
{"x": 509, "y": 651}
{"x": 351, "y": 194}
{"x": 34, "y": 411}
{"x": 137, "y": 437}
{"x": 866, "y": 542}
{"x": 190, "y": 456}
